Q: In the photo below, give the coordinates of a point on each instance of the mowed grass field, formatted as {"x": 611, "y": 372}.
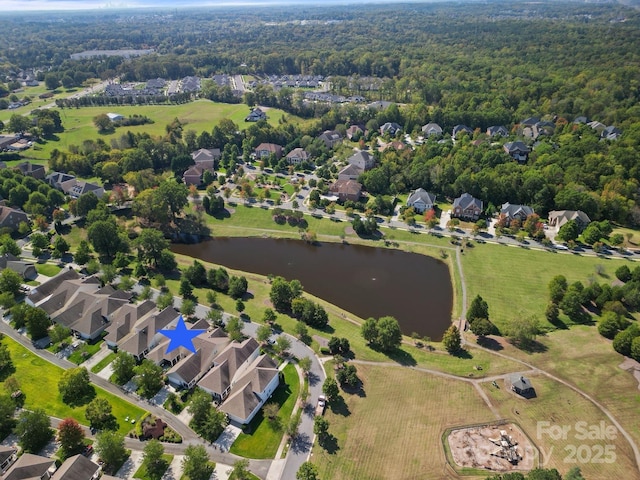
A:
{"x": 199, "y": 116}
{"x": 39, "y": 381}
{"x": 560, "y": 406}
{"x": 514, "y": 281}
{"x": 394, "y": 430}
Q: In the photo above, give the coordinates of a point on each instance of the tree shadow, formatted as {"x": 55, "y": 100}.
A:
{"x": 301, "y": 443}
{"x": 313, "y": 379}
{"x": 339, "y": 407}
{"x": 490, "y": 343}
{"x": 329, "y": 443}
{"x": 463, "y": 353}
{"x": 530, "y": 346}
{"x": 79, "y": 400}
{"x": 221, "y": 214}
{"x": 400, "y": 356}
{"x": 7, "y": 371}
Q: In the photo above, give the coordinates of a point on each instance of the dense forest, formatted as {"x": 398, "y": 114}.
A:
{"x": 486, "y": 63}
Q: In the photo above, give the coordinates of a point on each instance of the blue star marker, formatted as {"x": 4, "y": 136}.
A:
{"x": 181, "y": 336}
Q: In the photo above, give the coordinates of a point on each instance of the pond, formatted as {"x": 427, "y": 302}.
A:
{"x": 369, "y": 282}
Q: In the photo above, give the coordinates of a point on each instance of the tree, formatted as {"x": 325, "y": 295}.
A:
{"x": 186, "y": 289}
{"x": 105, "y": 238}
{"x": 482, "y": 327}
{"x": 305, "y": 365}
{"x": 240, "y": 469}
{"x": 348, "y": 375}
{"x": 522, "y": 331}
{"x": 282, "y": 345}
{"x": 175, "y": 194}
{"x": 60, "y": 246}
{"x": 263, "y": 333}
{"x": 234, "y": 328}
{"x": 623, "y": 340}
{"x": 269, "y": 316}
{"x": 569, "y": 231}
{"x": 383, "y": 333}
{"x": 557, "y": 288}
{"x": 99, "y": 415}
{"x": 196, "y": 463}
{"x": 110, "y": 447}
{"x": 301, "y": 330}
{"x": 58, "y": 333}
{"x": 19, "y": 123}
{"x": 451, "y": 340}
{"x": 37, "y": 323}
{"x": 149, "y": 378}
{"x": 103, "y": 123}
{"x": 10, "y": 281}
{"x": 154, "y": 462}
{"x": 330, "y": 389}
{"x": 75, "y": 387}
{"x": 307, "y": 471}
{"x": 33, "y": 429}
{"x": 320, "y": 427}
{"x": 237, "y": 286}
{"x": 623, "y": 273}
{"x": 188, "y": 307}
{"x": 5, "y": 358}
{"x": 123, "y": 367}
{"x": 283, "y": 292}
{"x": 51, "y": 81}
{"x": 150, "y": 244}
{"x": 83, "y": 253}
{"x": 70, "y": 436}
{"x": 7, "y": 409}
{"x": 478, "y": 309}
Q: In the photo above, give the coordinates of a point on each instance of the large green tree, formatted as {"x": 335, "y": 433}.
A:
{"x": 149, "y": 377}
{"x": 150, "y": 244}
{"x": 110, "y": 446}
{"x": 33, "y": 429}
{"x": 75, "y": 387}
{"x": 154, "y": 462}
{"x": 196, "y": 464}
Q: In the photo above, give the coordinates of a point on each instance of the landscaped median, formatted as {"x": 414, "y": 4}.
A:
{"x": 39, "y": 383}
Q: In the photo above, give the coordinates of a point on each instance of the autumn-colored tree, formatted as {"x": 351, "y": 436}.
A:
{"x": 430, "y": 218}
{"x": 70, "y": 436}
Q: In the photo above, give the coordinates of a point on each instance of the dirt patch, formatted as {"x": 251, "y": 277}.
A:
{"x": 491, "y": 446}
{"x": 632, "y": 367}
{"x": 348, "y": 230}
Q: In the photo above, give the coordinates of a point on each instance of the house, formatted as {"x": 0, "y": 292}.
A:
{"x": 192, "y": 176}
{"x": 6, "y": 140}
{"x": 581, "y": 120}
{"x": 251, "y": 390}
{"x": 363, "y": 160}
{"x": 206, "y": 155}
{"x": 7, "y": 457}
{"x": 77, "y": 467}
{"x": 330, "y": 138}
{"x": 81, "y": 187}
{"x": 355, "y": 131}
{"x": 265, "y": 150}
{"x": 597, "y": 126}
{"x": 25, "y": 269}
{"x": 144, "y": 335}
{"x": 61, "y": 181}
{"x": 529, "y": 122}
{"x": 297, "y": 156}
{"x": 521, "y": 385}
{"x": 467, "y": 207}
{"x": 11, "y": 218}
{"x": 42, "y": 292}
{"x": 346, "y": 190}
{"x": 29, "y": 169}
{"x": 350, "y": 172}
{"x": 115, "y": 117}
{"x": 557, "y": 218}
{"x": 391, "y": 128}
{"x": 396, "y": 145}
{"x": 31, "y": 467}
{"x": 256, "y": 115}
{"x": 497, "y": 131}
{"x": 431, "y": 129}
{"x": 421, "y": 200}
{"x": 241, "y": 380}
{"x": 517, "y": 150}
{"x": 123, "y": 320}
{"x": 511, "y": 212}
{"x": 379, "y": 105}
{"x": 611, "y": 133}
{"x": 458, "y": 129}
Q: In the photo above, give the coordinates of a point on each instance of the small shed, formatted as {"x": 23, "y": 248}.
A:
{"x": 114, "y": 117}
{"x": 522, "y": 386}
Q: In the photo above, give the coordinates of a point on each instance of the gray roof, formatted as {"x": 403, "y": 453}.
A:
{"x": 432, "y": 129}
{"x": 466, "y": 200}
{"x": 521, "y": 383}
{"x": 28, "y": 467}
{"x": 461, "y": 128}
{"x": 421, "y": 194}
{"x": 515, "y": 147}
{"x": 47, "y": 288}
{"x": 512, "y": 210}
{"x": 77, "y": 467}
{"x": 497, "y": 130}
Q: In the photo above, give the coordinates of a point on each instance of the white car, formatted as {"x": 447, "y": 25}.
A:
{"x": 559, "y": 246}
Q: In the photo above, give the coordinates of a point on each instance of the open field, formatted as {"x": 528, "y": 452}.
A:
{"x": 514, "y": 280}
{"x": 382, "y": 435}
{"x": 199, "y": 115}
{"x": 587, "y": 360}
{"x": 37, "y": 376}
{"x": 560, "y": 406}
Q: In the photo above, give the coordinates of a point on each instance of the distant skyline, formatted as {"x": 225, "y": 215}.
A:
{"x": 13, "y": 6}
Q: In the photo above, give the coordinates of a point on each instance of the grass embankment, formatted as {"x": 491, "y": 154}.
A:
{"x": 98, "y": 367}
{"x": 264, "y": 439}
{"x": 381, "y": 434}
{"x": 39, "y": 382}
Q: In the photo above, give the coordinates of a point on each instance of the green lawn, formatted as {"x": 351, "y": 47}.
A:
{"x": 48, "y": 269}
{"x": 514, "y": 280}
{"x": 39, "y": 382}
{"x": 264, "y": 440}
{"x": 200, "y": 115}
{"x": 142, "y": 471}
{"x": 85, "y": 352}
{"x": 98, "y": 367}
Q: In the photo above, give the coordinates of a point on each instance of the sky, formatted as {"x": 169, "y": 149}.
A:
{"x": 13, "y": 6}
